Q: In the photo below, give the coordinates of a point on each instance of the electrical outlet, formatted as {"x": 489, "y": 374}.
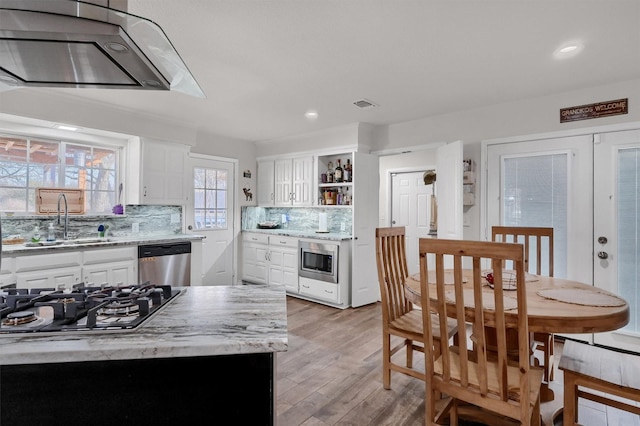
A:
{"x": 343, "y": 226}
{"x": 135, "y": 227}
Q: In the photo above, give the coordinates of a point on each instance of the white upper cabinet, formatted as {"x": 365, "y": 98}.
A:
{"x": 161, "y": 171}
{"x": 286, "y": 182}
{"x": 266, "y": 195}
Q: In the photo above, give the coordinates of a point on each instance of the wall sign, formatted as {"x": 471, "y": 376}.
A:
{"x": 597, "y": 110}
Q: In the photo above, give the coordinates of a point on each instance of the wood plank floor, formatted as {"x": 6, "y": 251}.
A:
{"x": 332, "y": 375}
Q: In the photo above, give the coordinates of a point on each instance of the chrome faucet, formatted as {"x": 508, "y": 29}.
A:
{"x": 66, "y": 215}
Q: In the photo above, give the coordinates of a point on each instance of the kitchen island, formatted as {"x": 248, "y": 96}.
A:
{"x": 207, "y": 355}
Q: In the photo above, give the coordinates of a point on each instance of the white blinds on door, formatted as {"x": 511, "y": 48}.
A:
{"x": 628, "y": 189}
{"x": 534, "y": 193}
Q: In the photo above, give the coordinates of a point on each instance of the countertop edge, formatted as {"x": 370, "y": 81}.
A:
{"x": 333, "y": 236}
{"x": 202, "y": 321}
{"x": 8, "y": 249}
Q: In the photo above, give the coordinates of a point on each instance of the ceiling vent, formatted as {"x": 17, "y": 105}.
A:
{"x": 364, "y": 103}
{"x": 81, "y": 44}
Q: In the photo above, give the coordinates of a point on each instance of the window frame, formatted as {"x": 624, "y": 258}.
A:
{"x": 63, "y": 146}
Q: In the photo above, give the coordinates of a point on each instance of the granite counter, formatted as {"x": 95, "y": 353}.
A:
{"x": 209, "y": 354}
{"x": 213, "y": 320}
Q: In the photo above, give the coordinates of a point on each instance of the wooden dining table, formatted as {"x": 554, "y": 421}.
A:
{"x": 554, "y": 305}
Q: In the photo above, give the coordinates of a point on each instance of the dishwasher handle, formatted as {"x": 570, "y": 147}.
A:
{"x": 155, "y": 250}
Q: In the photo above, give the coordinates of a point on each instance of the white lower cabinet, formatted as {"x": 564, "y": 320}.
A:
{"x": 270, "y": 259}
{"x": 254, "y": 258}
{"x": 283, "y": 262}
{"x": 320, "y": 290}
{"x": 7, "y": 275}
{"x": 113, "y": 266}
{"x": 53, "y": 270}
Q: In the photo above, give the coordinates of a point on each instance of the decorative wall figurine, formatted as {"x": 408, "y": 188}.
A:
{"x": 247, "y": 193}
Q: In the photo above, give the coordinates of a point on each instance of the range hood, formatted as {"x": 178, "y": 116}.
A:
{"x": 87, "y": 44}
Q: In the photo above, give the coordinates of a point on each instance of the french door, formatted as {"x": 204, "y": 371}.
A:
{"x": 617, "y": 228}
{"x": 587, "y": 188}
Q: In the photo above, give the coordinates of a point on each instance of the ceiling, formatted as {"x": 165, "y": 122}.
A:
{"x": 263, "y": 64}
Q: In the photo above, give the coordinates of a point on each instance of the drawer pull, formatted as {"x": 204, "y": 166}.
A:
{"x": 305, "y": 286}
{"x": 329, "y": 291}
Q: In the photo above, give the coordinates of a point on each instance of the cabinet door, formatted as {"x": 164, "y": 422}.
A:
{"x": 266, "y": 183}
{"x": 112, "y": 273}
{"x": 283, "y": 183}
{"x": 57, "y": 278}
{"x": 255, "y": 262}
{"x": 163, "y": 173}
{"x": 302, "y": 181}
{"x": 6, "y": 279}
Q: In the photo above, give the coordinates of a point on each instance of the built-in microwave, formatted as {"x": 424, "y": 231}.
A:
{"x": 318, "y": 261}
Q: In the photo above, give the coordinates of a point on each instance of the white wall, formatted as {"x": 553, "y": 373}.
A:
{"x": 531, "y": 116}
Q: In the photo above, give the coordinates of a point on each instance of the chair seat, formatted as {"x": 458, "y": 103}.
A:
{"x": 411, "y": 322}
{"x": 535, "y": 377}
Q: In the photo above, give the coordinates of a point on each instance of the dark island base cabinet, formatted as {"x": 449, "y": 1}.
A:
{"x": 171, "y": 391}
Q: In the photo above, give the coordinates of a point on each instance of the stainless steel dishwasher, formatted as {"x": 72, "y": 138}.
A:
{"x": 165, "y": 264}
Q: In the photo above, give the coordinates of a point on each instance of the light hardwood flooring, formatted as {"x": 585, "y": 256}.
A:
{"x": 332, "y": 375}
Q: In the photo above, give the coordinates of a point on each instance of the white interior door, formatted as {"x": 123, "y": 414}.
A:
{"x": 449, "y": 182}
{"x": 617, "y": 228}
{"x": 210, "y": 212}
{"x": 411, "y": 208}
{"x": 364, "y": 275}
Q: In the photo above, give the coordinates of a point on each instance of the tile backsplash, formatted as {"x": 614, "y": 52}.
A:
{"x": 298, "y": 218}
{"x": 151, "y": 220}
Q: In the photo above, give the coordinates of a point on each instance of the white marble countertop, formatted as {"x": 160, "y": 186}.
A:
{"x": 83, "y": 243}
{"x": 202, "y": 321}
{"x": 334, "y": 236}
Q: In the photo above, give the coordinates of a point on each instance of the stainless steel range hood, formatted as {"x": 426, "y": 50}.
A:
{"x": 80, "y": 44}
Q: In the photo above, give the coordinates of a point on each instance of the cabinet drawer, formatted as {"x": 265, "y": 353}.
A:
{"x": 320, "y": 289}
{"x": 253, "y": 237}
{"x": 48, "y": 261}
{"x": 279, "y": 240}
{"x": 110, "y": 255}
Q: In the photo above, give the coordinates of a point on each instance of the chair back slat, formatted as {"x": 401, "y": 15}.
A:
{"x": 533, "y": 238}
{"x": 470, "y": 300}
{"x": 392, "y": 271}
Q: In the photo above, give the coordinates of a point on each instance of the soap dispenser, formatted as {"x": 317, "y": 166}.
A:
{"x": 51, "y": 236}
{"x": 35, "y": 238}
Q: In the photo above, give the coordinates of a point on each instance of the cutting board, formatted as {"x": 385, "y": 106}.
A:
{"x": 47, "y": 200}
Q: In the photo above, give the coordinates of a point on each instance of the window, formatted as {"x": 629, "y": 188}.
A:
{"x": 534, "y": 193}
{"x": 210, "y": 198}
{"x": 30, "y": 163}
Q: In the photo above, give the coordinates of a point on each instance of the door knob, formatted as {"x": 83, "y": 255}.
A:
{"x": 602, "y": 240}
{"x": 393, "y": 222}
{"x": 189, "y": 227}
{"x": 603, "y": 255}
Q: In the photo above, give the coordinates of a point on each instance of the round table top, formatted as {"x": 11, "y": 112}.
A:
{"x": 569, "y": 306}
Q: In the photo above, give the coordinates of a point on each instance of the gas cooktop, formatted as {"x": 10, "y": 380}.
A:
{"x": 83, "y": 308}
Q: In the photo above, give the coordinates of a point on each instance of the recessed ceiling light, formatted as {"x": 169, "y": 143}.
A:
{"x": 568, "y": 50}
{"x": 311, "y": 115}
{"x": 66, "y": 127}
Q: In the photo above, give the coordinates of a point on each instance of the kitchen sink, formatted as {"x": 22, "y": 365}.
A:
{"x": 76, "y": 241}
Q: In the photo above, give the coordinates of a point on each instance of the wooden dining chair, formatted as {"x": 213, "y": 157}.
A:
{"x": 399, "y": 318}
{"x": 535, "y": 239}
{"x": 492, "y": 383}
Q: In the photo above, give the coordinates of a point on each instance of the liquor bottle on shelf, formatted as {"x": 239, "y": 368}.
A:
{"x": 346, "y": 198}
{"x": 346, "y": 173}
{"x": 330, "y": 172}
{"x": 337, "y": 176}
